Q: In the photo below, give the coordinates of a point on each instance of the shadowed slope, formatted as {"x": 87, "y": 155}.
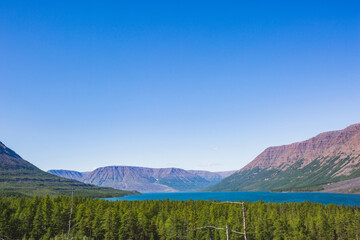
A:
{"x": 20, "y": 178}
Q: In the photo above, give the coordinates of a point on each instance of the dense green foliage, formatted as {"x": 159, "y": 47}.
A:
{"x": 312, "y": 177}
{"x": 47, "y": 218}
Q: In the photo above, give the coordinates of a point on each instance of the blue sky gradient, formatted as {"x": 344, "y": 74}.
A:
{"x": 189, "y": 84}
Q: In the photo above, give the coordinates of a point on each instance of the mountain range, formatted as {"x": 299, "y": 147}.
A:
{"x": 146, "y": 179}
{"x": 328, "y": 162}
{"x": 18, "y": 177}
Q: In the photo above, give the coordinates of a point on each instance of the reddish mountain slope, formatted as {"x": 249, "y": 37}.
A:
{"x": 345, "y": 142}
{"x": 309, "y": 165}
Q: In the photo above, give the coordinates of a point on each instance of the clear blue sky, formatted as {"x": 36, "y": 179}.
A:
{"x": 190, "y": 84}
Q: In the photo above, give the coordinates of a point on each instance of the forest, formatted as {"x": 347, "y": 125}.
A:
{"x": 48, "y": 218}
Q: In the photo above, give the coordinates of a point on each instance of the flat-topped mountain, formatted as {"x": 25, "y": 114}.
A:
{"x": 18, "y": 177}
{"x": 309, "y": 165}
{"x": 70, "y": 174}
{"x": 332, "y": 143}
{"x": 146, "y": 179}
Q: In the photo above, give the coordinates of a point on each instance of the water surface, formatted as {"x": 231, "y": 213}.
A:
{"x": 324, "y": 198}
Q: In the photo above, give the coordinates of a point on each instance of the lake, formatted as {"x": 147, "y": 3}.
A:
{"x": 324, "y": 198}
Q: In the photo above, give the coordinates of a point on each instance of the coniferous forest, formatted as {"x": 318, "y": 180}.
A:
{"x": 48, "y": 218}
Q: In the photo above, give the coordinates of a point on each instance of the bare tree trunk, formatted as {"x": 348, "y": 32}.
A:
{"x": 243, "y": 210}
{"x": 227, "y": 232}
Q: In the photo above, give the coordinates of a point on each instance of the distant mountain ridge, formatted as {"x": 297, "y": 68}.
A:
{"x": 19, "y": 177}
{"x": 144, "y": 179}
{"x": 314, "y": 164}
{"x": 70, "y": 174}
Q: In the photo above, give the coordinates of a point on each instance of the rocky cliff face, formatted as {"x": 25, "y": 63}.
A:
{"x": 343, "y": 143}
{"x": 309, "y": 165}
{"x": 146, "y": 179}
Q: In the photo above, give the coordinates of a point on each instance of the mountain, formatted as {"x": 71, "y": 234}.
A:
{"x": 213, "y": 177}
{"x": 327, "y": 162}
{"x": 70, "y": 174}
{"x": 18, "y": 177}
{"x": 146, "y": 179}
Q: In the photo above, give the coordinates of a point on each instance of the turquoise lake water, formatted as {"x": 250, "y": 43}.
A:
{"x": 324, "y": 198}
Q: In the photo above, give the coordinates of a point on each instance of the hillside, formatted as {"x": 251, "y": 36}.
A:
{"x": 70, "y": 174}
{"x": 312, "y": 165}
{"x": 214, "y": 177}
{"x": 146, "y": 179}
{"x": 18, "y": 177}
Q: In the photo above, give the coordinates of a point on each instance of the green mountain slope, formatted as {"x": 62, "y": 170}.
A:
{"x": 20, "y": 178}
{"x": 312, "y": 165}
